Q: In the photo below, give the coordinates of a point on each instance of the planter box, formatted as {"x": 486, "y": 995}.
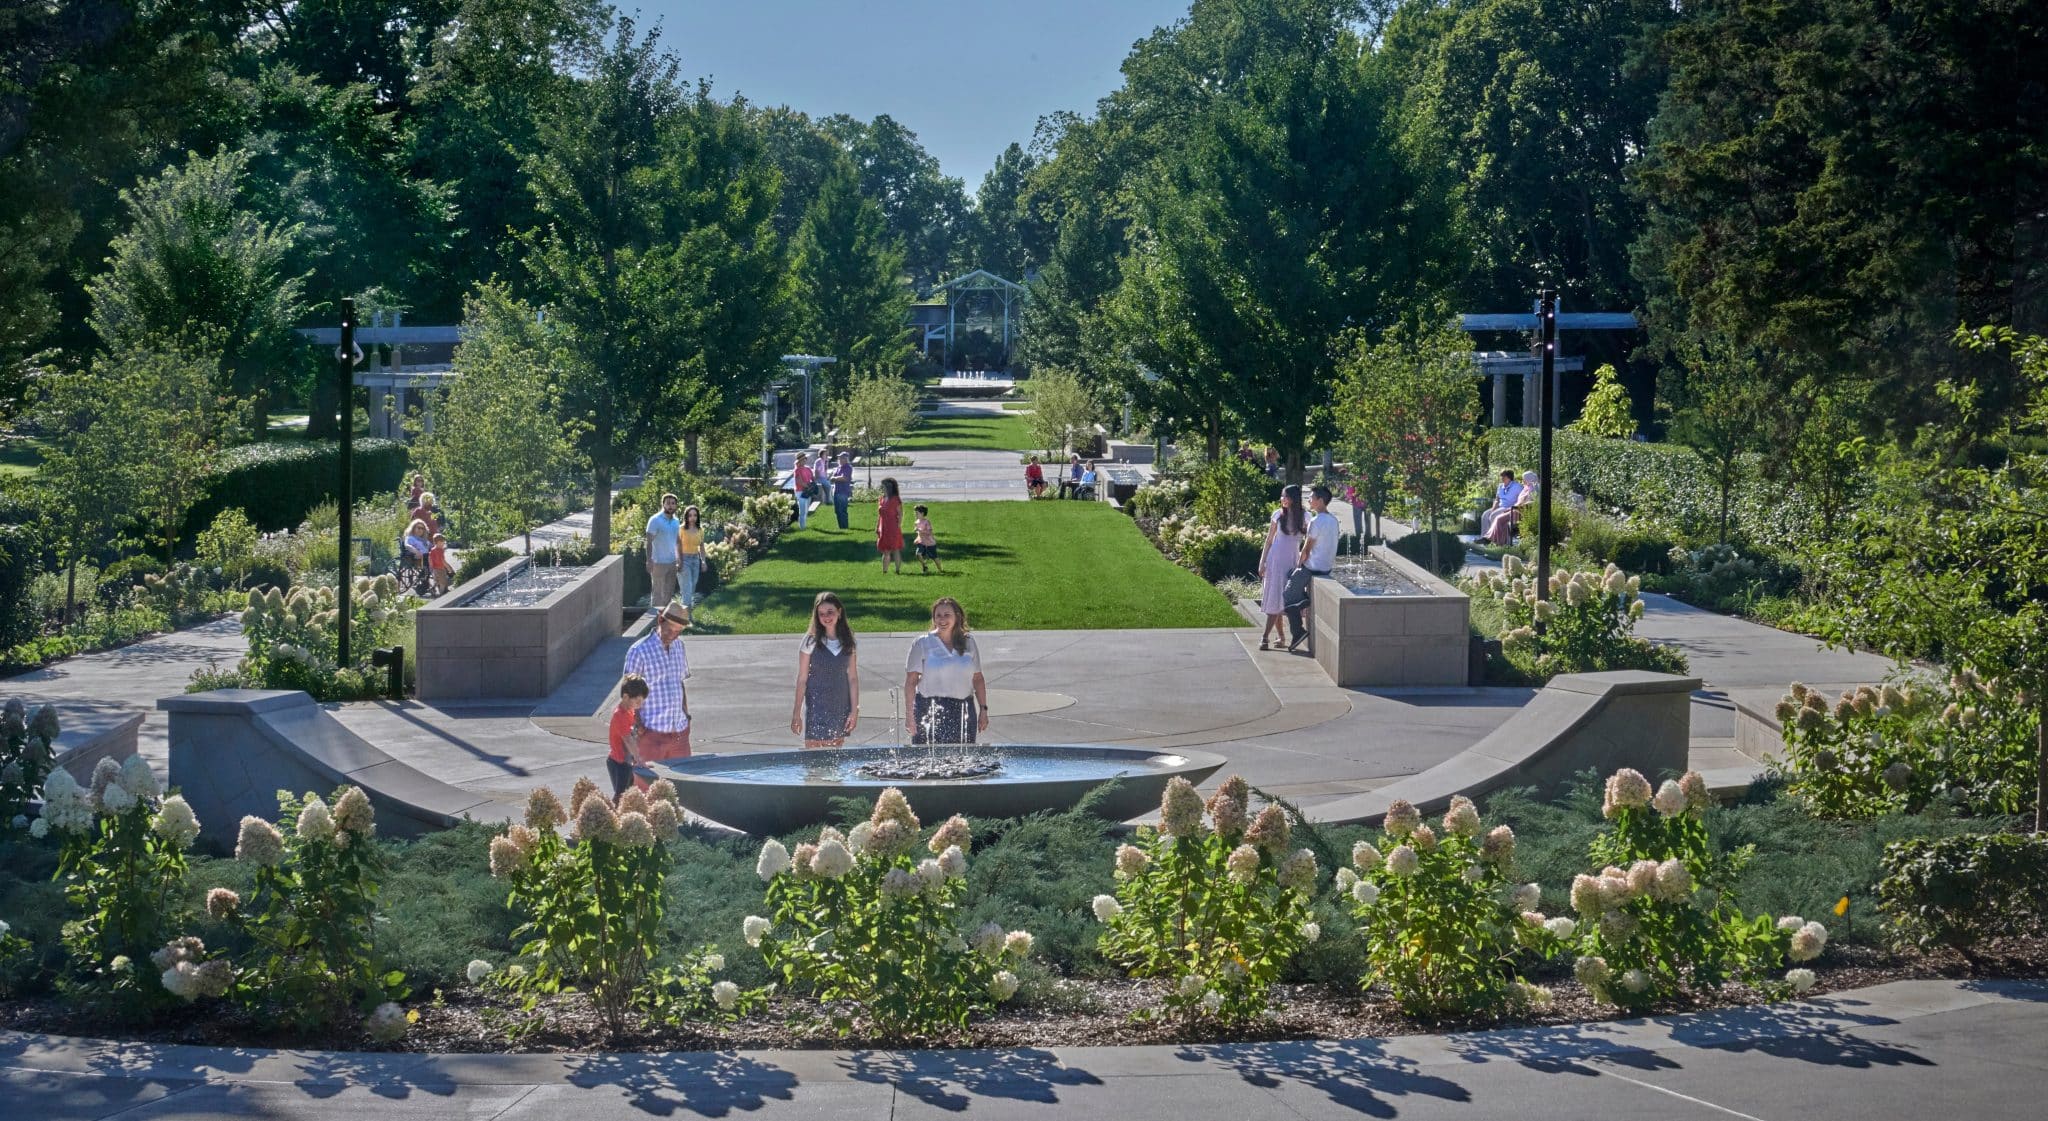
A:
{"x": 1393, "y": 640}
{"x": 466, "y": 653}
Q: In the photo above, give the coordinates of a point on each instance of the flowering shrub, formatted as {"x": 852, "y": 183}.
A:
{"x": 17, "y": 960}
{"x": 1444, "y": 922}
{"x": 1218, "y": 906}
{"x": 123, "y": 866}
{"x": 1164, "y": 495}
{"x": 294, "y": 639}
{"x": 859, "y": 918}
{"x": 1906, "y": 744}
{"x": 593, "y": 901}
{"x": 312, "y": 920}
{"x": 768, "y": 514}
{"x": 1214, "y": 553}
{"x": 1588, "y": 621}
{"x": 1660, "y": 916}
{"x": 726, "y": 558}
{"x": 26, "y": 755}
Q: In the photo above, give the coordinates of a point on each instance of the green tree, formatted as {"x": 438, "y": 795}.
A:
{"x": 877, "y": 408}
{"x": 197, "y": 260}
{"x": 1010, "y": 238}
{"x": 1723, "y": 393}
{"x": 1061, "y": 408}
{"x": 1412, "y": 401}
{"x": 1606, "y": 413}
{"x": 498, "y": 453}
{"x": 926, "y": 210}
{"x": 849, "y": 280}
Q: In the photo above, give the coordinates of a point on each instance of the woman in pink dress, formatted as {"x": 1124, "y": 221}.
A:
{"x": 1276, "y": 560}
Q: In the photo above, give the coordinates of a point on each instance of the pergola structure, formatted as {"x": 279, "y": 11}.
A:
{"x": 978, "y": 299}
{"x": 403, "y": 386}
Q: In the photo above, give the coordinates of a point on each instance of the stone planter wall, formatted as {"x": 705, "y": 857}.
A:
{"x": 475, "y": 652}
{"x": 1385, "y": 640}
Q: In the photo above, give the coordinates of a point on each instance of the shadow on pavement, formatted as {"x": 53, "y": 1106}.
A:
{"x": 931, "y": 1077}
{"x": 1356, "y": 1074}
{"x": 706, "y": 1084}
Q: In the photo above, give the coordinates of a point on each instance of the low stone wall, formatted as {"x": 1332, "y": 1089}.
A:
{"x": 1758, "y": 733}
{"x": 1367, "y": 640}
{"x": 1578, "y": 722}
{"x": 466, "y": 653}
{"x": 232, "y": 750}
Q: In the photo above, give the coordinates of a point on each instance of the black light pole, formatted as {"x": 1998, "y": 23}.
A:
{"x": 1546, "y": 314}
{"x": 345, "y": 361}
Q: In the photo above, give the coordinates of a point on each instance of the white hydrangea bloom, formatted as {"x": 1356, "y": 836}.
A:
{"x": 1106, "y": 908}
{"x": 1800, "y": 979}
{"x": 1365, "y": 856}
{"x": 754, "y": 928}
{"x": 1365, "y": 892}
{"x": 1311, "y": 931}
{"x": 725, "y": 994}
{"x": 1670, "y": 800}
{"x": 1527, "y": 896}
{"x": 1404, "y": 861}
{"x": 773, "y": 862}
{"x": 1191, "y": 986}
{"x": 388, "y": 1022}
{"x": 1808, "y": 941}
{"x": 1003, "y": 985}
{"x": 478, "y": 970}
{"x": 1212, "y": 1002}
{"x": 832, "y": 860}
{"x": 1561, "y": 926}
{"x": 137, "y": 779}
{"x": 1635, "y": 980}
{"x": 714, "y": 963}
{"x": 316, "y": 821}
{"x": 857, "y": 837}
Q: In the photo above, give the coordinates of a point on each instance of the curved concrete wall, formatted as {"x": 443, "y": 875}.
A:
{"x": 1580, "y": 721}
{"x": 232, "y": 750}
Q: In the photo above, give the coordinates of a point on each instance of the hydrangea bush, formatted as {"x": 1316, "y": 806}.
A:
{"x": 26, "y": 755}
{"x": 294, "y": 639}
{"x": 1588, "y": 620}
{"x": 1660, "y": 916}
{"x": 311, "y": 922}
{"x": 1910, "y": 743}
{"x": 1443, "y": 920}
{"x": 592, "y": 900}
{"x": 122, "y": 863}
{"x": 1213, "y": 899}
{"x": 873, "y": 930}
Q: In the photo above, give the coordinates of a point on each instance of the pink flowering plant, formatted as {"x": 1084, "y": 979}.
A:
{"x": 311, "y": 919}
{"x": 1214, "y": 900}
{"x": 1660, "y": 916}
{"x": 1445, "y": 925}
{"x": 1904, "y": 745}
{"x": 122, "y": 863}
{"x": 1587, "y": 621}
{"x": 593, "y": 899}
{"x": 26, "y": 755}
{"x": 870, "y": 925}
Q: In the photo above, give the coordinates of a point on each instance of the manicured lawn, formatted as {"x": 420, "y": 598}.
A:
{"x": 1012, "y": 565}
{"x": 1017, "y": 406}
{"x": 20, "y": 455}
{"x": 969, "y": 433}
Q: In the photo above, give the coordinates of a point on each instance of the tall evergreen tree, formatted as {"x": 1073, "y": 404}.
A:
{"x": 850, "y": 281}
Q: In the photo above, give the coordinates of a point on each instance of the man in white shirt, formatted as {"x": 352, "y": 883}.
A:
{"x": 664, "y": 536}
{"x": 1318, "y": 554}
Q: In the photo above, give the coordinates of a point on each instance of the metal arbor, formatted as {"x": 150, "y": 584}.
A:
{"x": 976, "y": 291}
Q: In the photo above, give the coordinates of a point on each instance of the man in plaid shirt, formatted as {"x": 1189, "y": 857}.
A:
{"x": 658, "y": 657}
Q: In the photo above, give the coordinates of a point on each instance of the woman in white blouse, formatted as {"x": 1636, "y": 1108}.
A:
{"x": 942, "y": 679}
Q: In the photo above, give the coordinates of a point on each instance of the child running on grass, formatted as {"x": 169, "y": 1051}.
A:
{"x": 625, "y": 734}
{"x": 927, "y": 544}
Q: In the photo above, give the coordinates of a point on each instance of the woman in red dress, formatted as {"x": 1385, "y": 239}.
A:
{"x": 889, "y": 525}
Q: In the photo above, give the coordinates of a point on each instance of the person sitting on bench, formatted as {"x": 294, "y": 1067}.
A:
{"x": 1071, "y": 481}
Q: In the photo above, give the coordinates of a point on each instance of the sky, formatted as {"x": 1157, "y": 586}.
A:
{"x": 967, "y": 78}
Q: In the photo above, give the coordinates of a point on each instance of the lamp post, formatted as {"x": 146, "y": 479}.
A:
{"x": 346, "y": 356}
{"x": 1546, "y": 314}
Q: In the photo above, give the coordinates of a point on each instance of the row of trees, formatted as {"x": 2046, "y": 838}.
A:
{"x": 1803, "y": 199}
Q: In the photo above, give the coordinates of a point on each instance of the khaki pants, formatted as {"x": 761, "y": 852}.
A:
{"x": 663, "y": 577}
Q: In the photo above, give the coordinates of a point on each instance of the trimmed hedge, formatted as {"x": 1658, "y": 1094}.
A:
{"x": 1666, "y": 484}
{"x": 1959, "y": 891}
{"x": 20, "y": 554}
{"x": 277, "y": 482}
{"x": 1450, "y": 551}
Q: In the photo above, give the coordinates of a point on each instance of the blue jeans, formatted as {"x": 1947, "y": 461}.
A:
{"x": 839, "y": 500}
{"x": 693, "y": 563}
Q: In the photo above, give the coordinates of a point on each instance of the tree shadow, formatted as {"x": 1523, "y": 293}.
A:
{"x": 325, "y": 1074}
{"x": 709, "y": 1084}
{"x": 2035, "y": 991}
{"x": 1811, "y": 1033}
{"x": 1358, "y": 1074}
{"x": 1028, "y": 1074}
{"x": 1557, "y": 1050}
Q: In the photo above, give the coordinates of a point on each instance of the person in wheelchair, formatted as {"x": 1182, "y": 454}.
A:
{"x": 412, "y": 558}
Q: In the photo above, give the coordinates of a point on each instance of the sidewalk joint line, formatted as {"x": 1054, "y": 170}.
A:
{"x": 1679, "y": 1096}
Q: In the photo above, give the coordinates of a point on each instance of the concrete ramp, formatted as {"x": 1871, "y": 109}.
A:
{"x": 232, "y": 750}
{"x": 1578, "y": 722}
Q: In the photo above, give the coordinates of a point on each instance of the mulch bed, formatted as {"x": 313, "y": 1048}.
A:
{"x": 1068, "y": 1014}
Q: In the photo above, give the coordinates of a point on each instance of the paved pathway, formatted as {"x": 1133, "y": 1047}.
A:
{"x": 1902, "y": 1050}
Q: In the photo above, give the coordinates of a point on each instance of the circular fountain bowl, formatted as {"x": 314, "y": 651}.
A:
{"x": 770, "y": 792}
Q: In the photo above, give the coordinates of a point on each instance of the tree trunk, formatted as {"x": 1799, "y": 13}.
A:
{"x": 1435, "y": 563}
{"x": 601, "y": 509}
{"x": 1214, "y": 439}
{"x": 690, "y": 452}
{"x": 70, "y": 593}
{"x": 2041, "y": 769}
{"x": 1727, "y": 492}
{"x": 1294, "y": 468}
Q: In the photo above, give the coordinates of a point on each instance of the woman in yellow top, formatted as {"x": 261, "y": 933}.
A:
{"x": 690, "y": 548}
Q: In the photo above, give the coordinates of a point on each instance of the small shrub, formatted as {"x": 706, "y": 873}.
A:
{"x": 228, "y": 544}
{"x": 1910, "y": 744}
{"x": 119, "y": 578}
{"x": 1444, "y": 923}
{"x": 1161, "y": 497}
{"x": 1231, "y": 492}
{"x": 263, "y": 574}
{"x": 1588, "y": 621}
{"x": 312, "y": 920}
{"x": 1961, "y": 891}
{"x": 476, "y": 562}
{"x": 1450, "y": 552}
{"x": 1219, "y": 907}
{"x": 294, "y": 640}
{"x": 856, "y": 918}
{"x": 26, "y": 754}
{"x": 20, "y": 563}
{"x": 1224, "y": 556}
{"x": 122, "y": 863}
{"x": 1660, "y": 916}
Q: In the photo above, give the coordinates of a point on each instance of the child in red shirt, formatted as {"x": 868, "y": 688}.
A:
{"x": 437, "y": 563}
{"x": 625, "y": 734}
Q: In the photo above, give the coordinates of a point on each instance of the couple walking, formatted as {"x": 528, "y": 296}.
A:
{"x": 947, "y": 695}
{"x": 809, "y": 483}
{"x": 1300, "y": 546}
